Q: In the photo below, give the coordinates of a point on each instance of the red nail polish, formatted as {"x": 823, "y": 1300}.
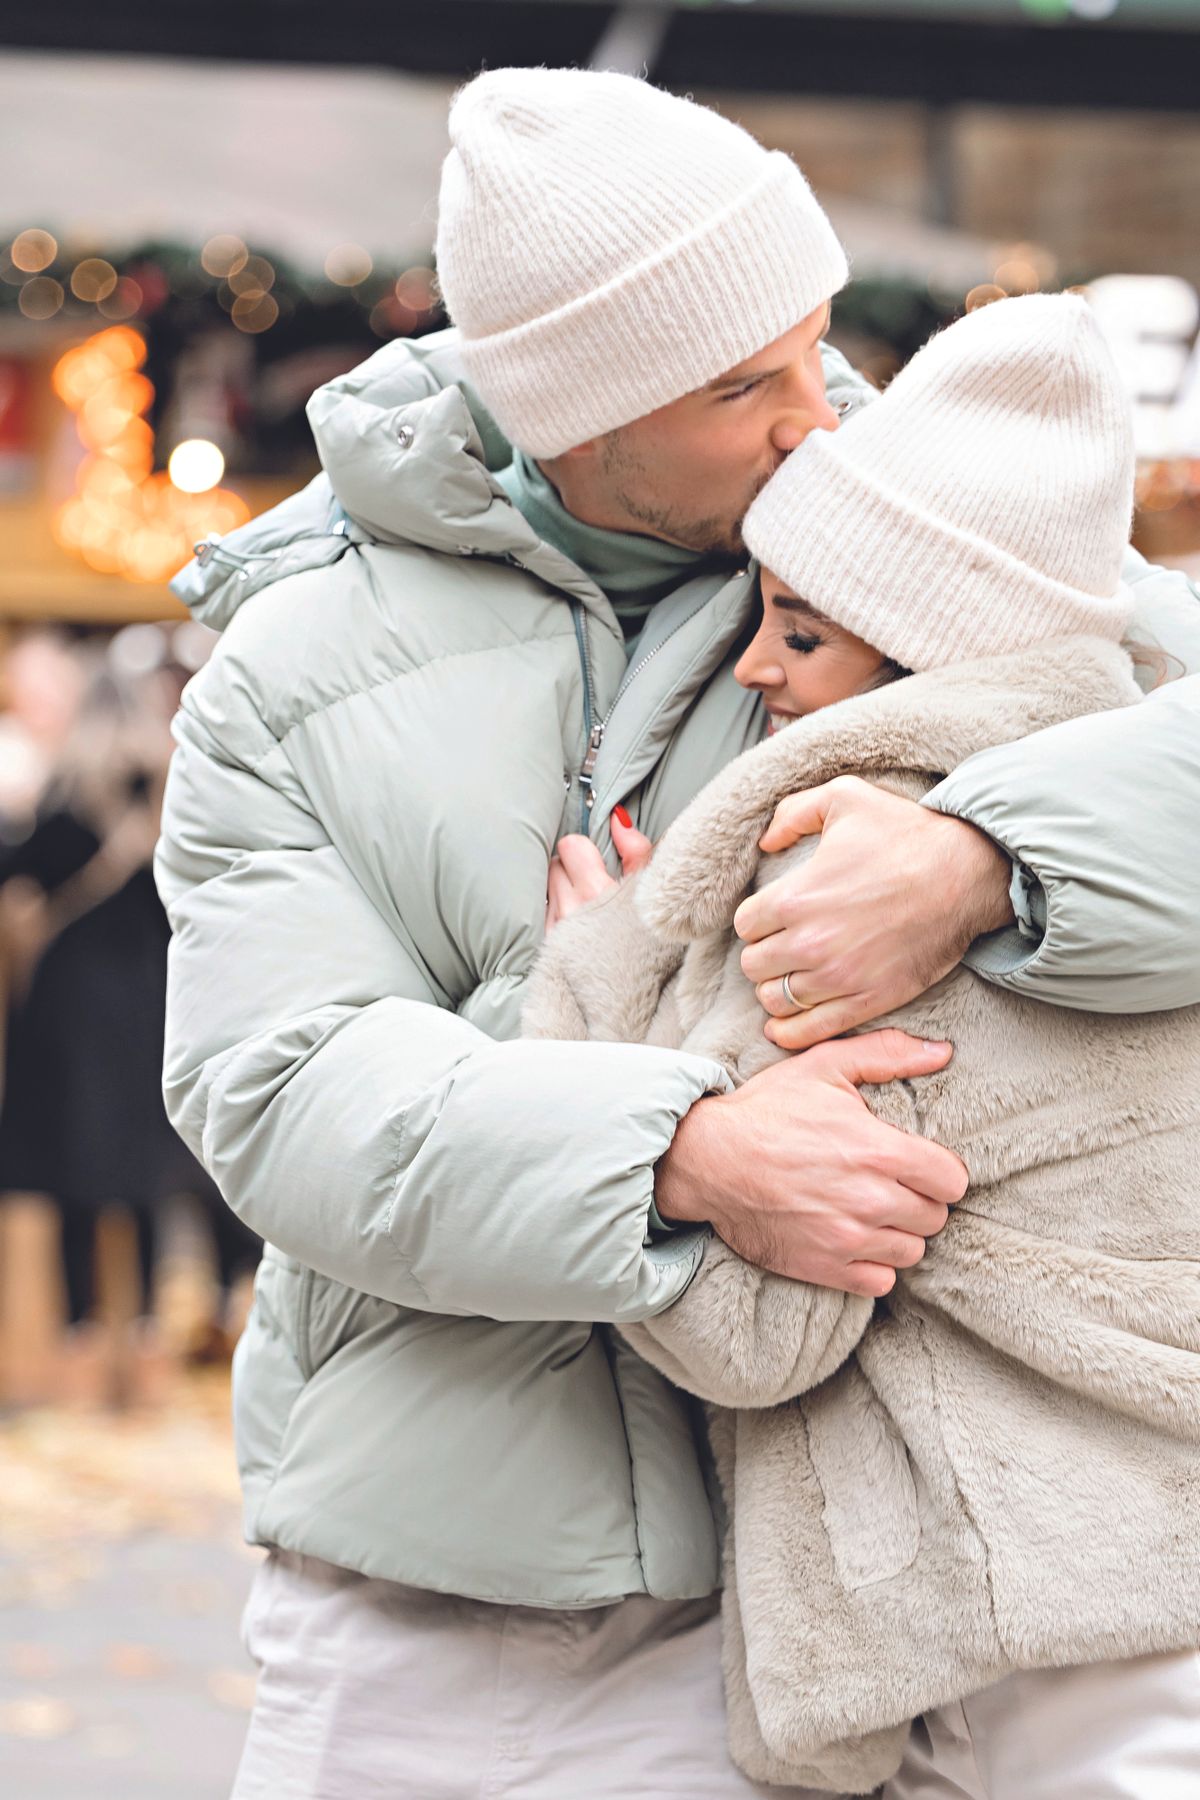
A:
{"x": 622, "y": 817}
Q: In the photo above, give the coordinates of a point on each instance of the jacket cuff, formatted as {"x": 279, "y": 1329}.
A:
{"x": 1004, "y": 952}
{"x": 656, "y": 1225}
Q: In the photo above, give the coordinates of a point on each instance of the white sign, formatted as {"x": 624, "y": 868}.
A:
{"x": 1150, "y": 321}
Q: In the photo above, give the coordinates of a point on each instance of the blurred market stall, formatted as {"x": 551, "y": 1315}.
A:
{"x": 194, "y": 243}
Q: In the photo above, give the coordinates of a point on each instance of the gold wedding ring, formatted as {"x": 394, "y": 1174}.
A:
{"x": 796, "y": 1005}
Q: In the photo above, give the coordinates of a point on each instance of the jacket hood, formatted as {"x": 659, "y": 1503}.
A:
{"x": 406, "y": 449}
{"x": 407, "y": 453}
{"x": 926, "y": 724}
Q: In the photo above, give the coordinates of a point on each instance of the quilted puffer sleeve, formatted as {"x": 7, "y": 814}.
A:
{"x": 743, "y": 1338}
{"x": 358, "y": 1124}
{"x": 1101, "y": 811}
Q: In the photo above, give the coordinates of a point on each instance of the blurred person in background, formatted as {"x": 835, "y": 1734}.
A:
{"x": 510, "y": 610}
{"x": 40, "y": 690}
{"x": 82, "y": 1119}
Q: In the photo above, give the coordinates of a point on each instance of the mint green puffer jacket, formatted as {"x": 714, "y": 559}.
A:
{"x": 370, "y": 776}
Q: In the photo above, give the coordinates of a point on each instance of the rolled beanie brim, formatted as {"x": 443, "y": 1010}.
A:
{"x": 880, "y": 566}
{"x": 655, "y": 332}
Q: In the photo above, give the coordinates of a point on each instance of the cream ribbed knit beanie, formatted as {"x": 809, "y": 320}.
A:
{"x": 604, "y": 248}
{"x": 981, "y": 505}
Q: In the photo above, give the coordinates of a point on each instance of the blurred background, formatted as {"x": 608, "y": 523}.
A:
{"x": 205, "y": 213}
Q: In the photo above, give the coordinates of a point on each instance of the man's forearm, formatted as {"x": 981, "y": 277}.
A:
{"x": 1102, "y": 812}
{"x": 795, "y": 1173}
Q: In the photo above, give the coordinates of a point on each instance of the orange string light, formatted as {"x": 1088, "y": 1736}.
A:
{"x": 123, "y": 519}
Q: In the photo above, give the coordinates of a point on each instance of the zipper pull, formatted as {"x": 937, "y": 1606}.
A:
{"x": 589, "y": 764}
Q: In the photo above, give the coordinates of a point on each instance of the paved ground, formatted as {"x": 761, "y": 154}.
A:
{"x": 122, "y": 1577}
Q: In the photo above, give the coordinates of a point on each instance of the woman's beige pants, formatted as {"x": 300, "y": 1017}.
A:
{"x": 372, "y": 1691}
{"x": 1115, "y": 1731}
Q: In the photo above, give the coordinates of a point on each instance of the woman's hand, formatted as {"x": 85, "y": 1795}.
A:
{"x": 577, "y": 871}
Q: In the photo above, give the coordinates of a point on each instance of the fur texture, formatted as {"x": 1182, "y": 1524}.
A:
{"x": 997, "y": 1467}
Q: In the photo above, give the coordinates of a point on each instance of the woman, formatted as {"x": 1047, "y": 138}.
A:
{"x": 986, "y": 1484}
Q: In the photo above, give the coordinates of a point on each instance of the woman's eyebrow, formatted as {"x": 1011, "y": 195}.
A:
{"x": 789, "y": 603}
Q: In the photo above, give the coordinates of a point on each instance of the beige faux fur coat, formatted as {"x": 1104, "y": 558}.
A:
{"x": 998, "y": 1466}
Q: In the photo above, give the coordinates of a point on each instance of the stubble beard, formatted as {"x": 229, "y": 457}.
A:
{"x": 709, "y": 535}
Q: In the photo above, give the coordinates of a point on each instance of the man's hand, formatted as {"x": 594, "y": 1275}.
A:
{"x": 577, "y": 872}
{"x": 890, "y": 900}
{"x": 798, "y": 1176}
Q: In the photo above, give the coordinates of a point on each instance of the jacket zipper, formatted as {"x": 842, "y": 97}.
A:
{"x": 597, "y": 728}
{"x": 589, "y": 721}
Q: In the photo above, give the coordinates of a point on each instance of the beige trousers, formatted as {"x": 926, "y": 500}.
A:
{"x": 1115, "y": 1731}
{"x": 372, "y": 1691}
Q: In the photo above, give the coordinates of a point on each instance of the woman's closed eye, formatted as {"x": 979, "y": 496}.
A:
{"x": 805, "y": 642}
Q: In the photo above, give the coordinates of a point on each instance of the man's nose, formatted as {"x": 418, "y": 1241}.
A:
{"x": 803, "y": 408}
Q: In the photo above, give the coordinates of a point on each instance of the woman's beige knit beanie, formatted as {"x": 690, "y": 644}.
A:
{"x": 604, "y": 248}
{"x": 982, "y": 505}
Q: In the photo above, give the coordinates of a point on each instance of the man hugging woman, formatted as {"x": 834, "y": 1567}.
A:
{"x": 969, "y": 1502}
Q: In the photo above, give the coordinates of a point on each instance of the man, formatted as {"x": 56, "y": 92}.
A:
{"x": 492, "y": 1547}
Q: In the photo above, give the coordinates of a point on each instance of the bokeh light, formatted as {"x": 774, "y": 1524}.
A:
{"x": 1017, "y": 277}
{"x": 41, "y": 297}
{"x": 223, "y": 255}
{"x": 93, "y": 279}
{"x": 124, "y": 302}
{"x": 111, "y": 407}
{"x": 254, "y": 312}
{"x": 255, "y": 276}
{"x": 417, "y": 289}
{"x": 124, "y": 519}
{"x": 348, "y": 265}
{"x": 195, "y": 465}
{"x": 1024, "y": 268}
{"x": 33, "y": 250}
{"x": 983, "y": 295}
